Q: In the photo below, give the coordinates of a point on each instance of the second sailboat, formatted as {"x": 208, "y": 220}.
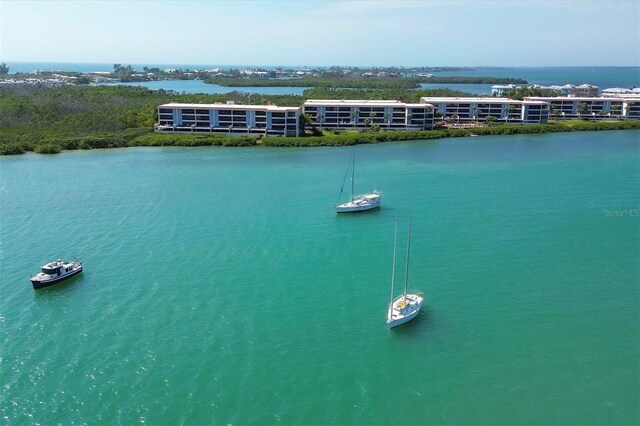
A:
{"x": 357, "y": 203}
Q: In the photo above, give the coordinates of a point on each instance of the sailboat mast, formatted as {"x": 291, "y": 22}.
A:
{"x": 393, "y": 270}
{"x": 353, "y": 173}
{"x": 406, "y": 272}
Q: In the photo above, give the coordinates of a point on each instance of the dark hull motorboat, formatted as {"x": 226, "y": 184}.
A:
{"x": 54, "y": 272}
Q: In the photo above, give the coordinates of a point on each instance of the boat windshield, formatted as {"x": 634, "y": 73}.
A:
{"x": 50, "y": 270}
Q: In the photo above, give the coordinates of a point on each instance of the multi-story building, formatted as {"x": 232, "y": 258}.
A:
{"x": 568, "y": 107}
{"x": 501, "y": 109}
{"x": 567, "y": 89}
{"x": 498, "y": 90}
{"x": 586, "y": 90}
{"x": 229, "y": 118}
{"x": 620, "y": 92}
{"x": 361, "y": 114}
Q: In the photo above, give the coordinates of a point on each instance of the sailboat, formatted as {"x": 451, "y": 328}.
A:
{"x": 405, "y": 307}
{"x": 361, "y": 202}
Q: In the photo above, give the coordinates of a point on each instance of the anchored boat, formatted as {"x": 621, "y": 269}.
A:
{"x": 357, "y": 203}
{"x": 405, "y": 307}
{"x": 54, "y": 272}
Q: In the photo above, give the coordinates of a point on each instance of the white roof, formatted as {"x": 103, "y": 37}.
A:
{"x": 348, "y": 102}
{"x": 579, "y": 98}
{"x": 622, "y": 90}
{"x": 506, "y": 86}
{"x": 486, "y": 100}
{"x": 361, "y": 102}
{"x": 418, "y": 105}
{"x": 230, "y": 106}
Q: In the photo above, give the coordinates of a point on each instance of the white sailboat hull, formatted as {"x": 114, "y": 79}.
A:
{"x": 402, "y": 320}
{"x": 404, "y": 309}
{"x": 360, "y": 204}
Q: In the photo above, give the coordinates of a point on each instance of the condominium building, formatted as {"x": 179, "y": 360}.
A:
{"x": 229, "y": 118}
{"x": 620, "y": 92}
{"x": 504, "y": 89}
{"x": 362, "y": 114}
{"x": 479, "y": 109}
{"x": 586, "y": 90}
{"x": 567, "y": 107}
{"x": 567, "y": 89}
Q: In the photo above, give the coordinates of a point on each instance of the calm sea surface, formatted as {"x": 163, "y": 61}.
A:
{"x": 221, "y": 287}
{"x": 603, "y": 77}
{"x": 199, "y": 86}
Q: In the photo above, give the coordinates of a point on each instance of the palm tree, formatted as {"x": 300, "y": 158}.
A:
{"x": 305, "y": 121}
{"x": 387, "y": 115}
{"x": 630, "y": 105}
{"x": 319, "y": 118}
{"x": 475, "y": 113}
{"x": 615, "y": 109}
{"x": 583, "y": 108}
{"x": 511, "y": 110}
{"x": 372, "y": 118}
{"x": 409, "y": 117}
{"x": 355, "y": 115}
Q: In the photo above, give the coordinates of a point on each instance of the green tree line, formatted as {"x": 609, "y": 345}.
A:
{"x": 48, "y": 120}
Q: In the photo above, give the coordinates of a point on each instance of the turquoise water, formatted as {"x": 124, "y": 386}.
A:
{"x": 603, "y": 77}
{"x": 199, "y": 86}
{"x": 476, "y": 89}
{"x": 221, "y": 287}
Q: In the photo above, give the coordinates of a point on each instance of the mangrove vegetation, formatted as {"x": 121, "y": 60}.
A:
{"x": 50, "y": 120}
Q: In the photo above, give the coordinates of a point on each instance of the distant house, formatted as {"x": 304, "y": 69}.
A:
{"x": 102, "y": 79}
{"x": 583, "y": 90}
{"x": 622, "y": 92}
{"x": 503, "y": 89}
{"x": 586, "y": 90}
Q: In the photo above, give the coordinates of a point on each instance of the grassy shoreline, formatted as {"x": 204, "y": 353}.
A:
{"x": 139, "y": 137}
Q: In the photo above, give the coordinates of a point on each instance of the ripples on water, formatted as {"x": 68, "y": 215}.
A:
{"x": 220, "y": 286}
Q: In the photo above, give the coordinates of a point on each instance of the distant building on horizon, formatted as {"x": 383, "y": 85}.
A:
{"x": 622, "y": 92}
{"x": 499, "y": 90}
{"x": 566, "y": 89}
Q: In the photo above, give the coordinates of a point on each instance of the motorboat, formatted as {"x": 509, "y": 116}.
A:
{"x": 54, "y": 272}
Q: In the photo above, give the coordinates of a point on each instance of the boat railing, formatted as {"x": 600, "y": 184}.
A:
{"x": 416, "y": 292}
{"x": 368, "y": 196}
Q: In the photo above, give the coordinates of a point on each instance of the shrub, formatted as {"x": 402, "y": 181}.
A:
{"x": 48, "y": 148}
{"x": 11, "y": 148}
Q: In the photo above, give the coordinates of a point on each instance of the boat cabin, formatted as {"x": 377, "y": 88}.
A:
{"x": 55, "y": 268}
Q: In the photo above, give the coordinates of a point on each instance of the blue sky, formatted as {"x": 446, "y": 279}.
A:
{"x": 323, "y": 33}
